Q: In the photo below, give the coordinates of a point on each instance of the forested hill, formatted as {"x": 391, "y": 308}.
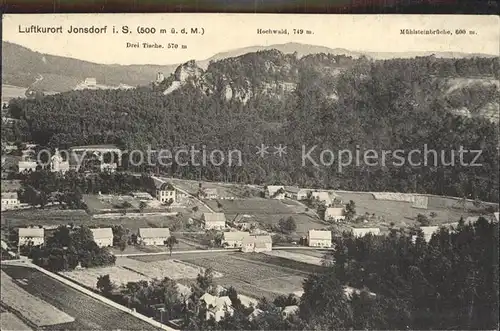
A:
{"x": 332, "y": 101}
{"x": 22, "y": 66}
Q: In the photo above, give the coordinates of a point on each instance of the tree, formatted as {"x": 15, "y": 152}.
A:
{"x": 104, "y": 284}
{"x": 423, "y": 220}
{"x": 350, "y": 210}
{"x": 142, "y": 206}
{"x": 170, "y": 242}
{"x": 287, "y": 225}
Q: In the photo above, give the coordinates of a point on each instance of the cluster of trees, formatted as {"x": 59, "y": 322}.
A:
{"x": 399, "y": 283}
{"x": 42, "y": 186}
{"x": 380, "y": 105}
{"x": 67, "y": 248}
{"x": 375, "y": 283}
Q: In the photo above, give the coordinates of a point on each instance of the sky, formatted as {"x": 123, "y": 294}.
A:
{"x": 224, "y": 32}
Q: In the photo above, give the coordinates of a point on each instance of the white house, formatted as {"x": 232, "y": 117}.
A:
{"x": 322, "y": 196}
{"x": 57, "y": 164}
{"x": 257, "y": 244}
{"x": 302, "y": 194}
{"x": 216, "y": 306}
{"x": 166, "y": 193}
{"x": 214, "y": 221}
{"x": 291, "y": 192}
{"x": 210, "y": 193}
{"x": 234, "y": 239}
{"x": 361, "y": 232}
{"x": 10, "y": 200}
{"x": 497, "y": 216}
{"x": 289, "y": 310}
{"x": 33, "y": 235}
{"x": 334, "y": 214}
{"x": 103, "y": 237}
{"x": 319, "y": 238}
{"x": 26, "y": 165}
{"x": 275, "y": 192}
{"x": 153, "y": 236}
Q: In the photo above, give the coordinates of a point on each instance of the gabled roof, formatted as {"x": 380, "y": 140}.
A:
{"x": 26, "y": 164}
{"x": 31, "y": 232}
{"x": 216, "y": 302}
{"x": 166, "y": 187}
{"x": 214, "y": 217}
{"x": 429, "y": 231}
{"x": 320, "y": 234}
{"x": 154, "y": 233}
{"x": 235, "y": 235}
{"x": 9, "y": 195}
{"x": 335, "y": 211}
{"x": 102, "y": 233}
{"x": 497, "y": 216}
{"x": 243, "y": 218}
{"x": 292, "y": 189}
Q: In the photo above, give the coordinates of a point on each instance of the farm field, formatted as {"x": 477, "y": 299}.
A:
{"x": 308, "y": 252}
{"x": 401, "y": 213}
{"x": 132, "y": 270}
{"x": 299, "y": 257}
{"x": 9, "y": 321}
{"x": 30, "y": 307}
{"x": 12, "y": 92}
{"x": 224, "y": 189}
{"x": 251, "y": 278}
{"x": 252, "y": 206}
{"x": 172, "y": 268}
{"x": 89, "y": 313}
{"x": 50, "y": 216}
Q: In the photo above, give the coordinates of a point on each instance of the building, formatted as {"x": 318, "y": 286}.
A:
{"x": 289, "y": 310}
{"x": 234, "y": 239}
{"x": 153, "y": 236}
{"x": 257, "y": 244}
{"x": 10, "y": 201}
{"x": 57, "y": 164}
{"x": 428, "y": 232}
{"x": 291, "y": 192}
{"x": 275, "y": 192}
{"x": 334, "y": 214}
{"x": 361, "y": 232}
{"x": 497, "y": 216}
{"x": 302, "y": 194}
{"x": 214, "y": 221}
{"x": 319, "y": 238}
{"x": 103, "y": 237}
{"x": 216, "y": 306}
{"x": 322, "y": 196}
{"x": 26, "y": 166}
{"x": 34, "y": 235}
{"x": 90, "y": 81}
{"x": 166, "y": 193}
{"x": 245, "y": 222}
{"x": 210, "y": 193}
{"x": 143, "y": 196}
{"x": 108, "y": 167}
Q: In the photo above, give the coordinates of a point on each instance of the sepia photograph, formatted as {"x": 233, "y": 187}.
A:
{"x": 249, "y": 172}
